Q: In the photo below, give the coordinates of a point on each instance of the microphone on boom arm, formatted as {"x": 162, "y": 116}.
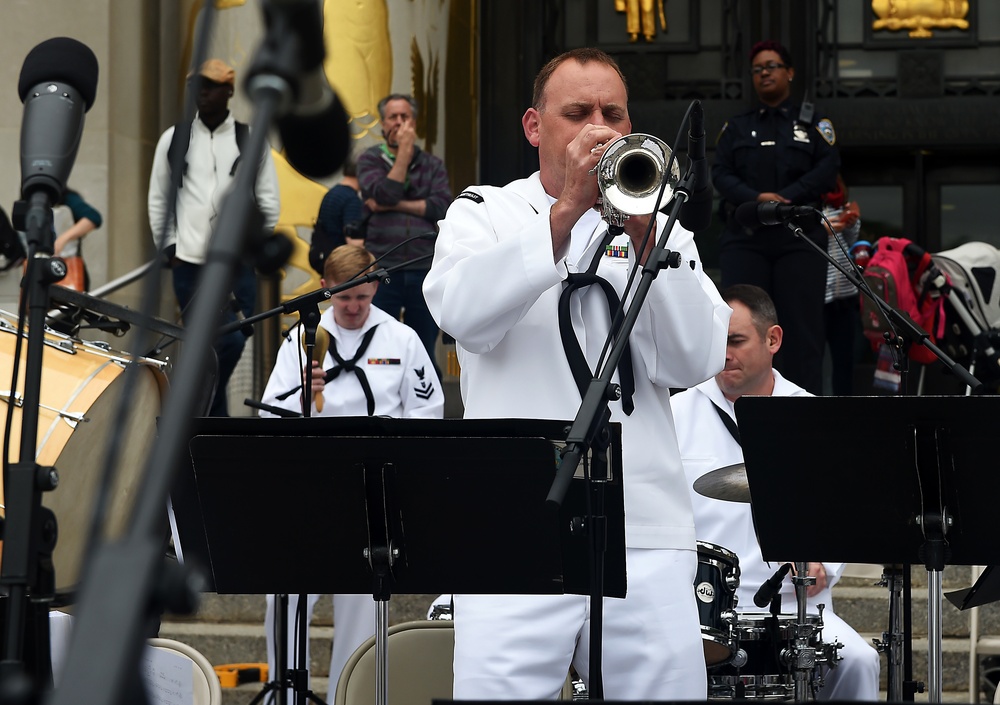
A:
{"x": 57, "y": 85}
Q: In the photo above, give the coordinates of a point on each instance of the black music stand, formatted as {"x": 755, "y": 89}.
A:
{"x": 906, "y": 474}
{"x": 985, "y": 591}
{"x": 377, "y": 505}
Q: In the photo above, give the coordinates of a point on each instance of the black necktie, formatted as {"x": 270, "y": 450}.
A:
{"x": 351, "y": 366}
{"x": 571, "y": 345}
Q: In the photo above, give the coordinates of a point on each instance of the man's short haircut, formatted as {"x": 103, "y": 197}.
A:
{"x": 771, "y": 45}
{"x": 345, "y": 263}
{"x": 584, "y": 56}
{"x": 350, "y": 167}
{"x": 757, "y": 301}
{"x": 396, "y": 96}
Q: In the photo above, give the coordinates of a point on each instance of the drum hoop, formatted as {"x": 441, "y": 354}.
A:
{"x": 65, "y": 408}
{"x": 711, "y": 548}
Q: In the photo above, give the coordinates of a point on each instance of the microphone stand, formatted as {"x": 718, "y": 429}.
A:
{"x": 900, "y": 320}
{"x": 306, "y": 302}
{"x": 127, "y": 575}
{"x": 29, "y": 528}
{"x": 933, "y": 521}
{"x": 589, "y": 429}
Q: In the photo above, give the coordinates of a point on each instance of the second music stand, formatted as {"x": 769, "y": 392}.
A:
{"x": 909, "y": 489}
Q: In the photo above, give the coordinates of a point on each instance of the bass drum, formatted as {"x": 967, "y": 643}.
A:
{"x": 81, "y": 383}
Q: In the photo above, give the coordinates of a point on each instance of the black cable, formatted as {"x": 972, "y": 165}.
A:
{"x": 22, "y": 309}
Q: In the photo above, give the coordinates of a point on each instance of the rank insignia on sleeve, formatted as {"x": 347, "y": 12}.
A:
{"x": 424, "y": 388}
{"x": 471, "y": 195}
{"x": 825, "y": 128}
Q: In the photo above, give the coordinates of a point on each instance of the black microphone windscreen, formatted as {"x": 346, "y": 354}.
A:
{"x": 60, "y": 59}
{"x": 746, "y": 215}
{"x": 316, "y": 145}
{"x": 696, "y": 214}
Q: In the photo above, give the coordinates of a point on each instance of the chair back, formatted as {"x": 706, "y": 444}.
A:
{"x": 420, "y": 666}
{"x": 205, "y": 683}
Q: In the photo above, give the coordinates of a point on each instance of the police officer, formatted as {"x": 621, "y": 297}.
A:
{"x": 778, "y": 151}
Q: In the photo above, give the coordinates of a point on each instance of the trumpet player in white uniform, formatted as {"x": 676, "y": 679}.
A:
{"x": 502, "y": 261}
{"x": 383, "y": 370}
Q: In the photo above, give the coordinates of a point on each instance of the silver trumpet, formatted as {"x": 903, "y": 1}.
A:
{"x": 629, "y": 176}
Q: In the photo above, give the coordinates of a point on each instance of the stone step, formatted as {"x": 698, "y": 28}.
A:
{"x": 250, "y": 608}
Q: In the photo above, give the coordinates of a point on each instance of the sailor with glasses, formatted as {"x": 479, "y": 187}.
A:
{"x": 779, "y": 151}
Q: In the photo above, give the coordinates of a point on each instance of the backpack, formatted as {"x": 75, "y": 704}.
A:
{"x": 903, "y": 275}
{"x": 176, "y": 144}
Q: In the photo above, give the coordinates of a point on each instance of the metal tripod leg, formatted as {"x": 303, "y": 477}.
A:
{"x": 892, "y": 639}
{"x": 934, "y": 633}
{"x": 382, "y": 653}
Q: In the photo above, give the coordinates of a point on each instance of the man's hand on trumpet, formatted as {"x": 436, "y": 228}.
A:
{"x": 579, "y": 188}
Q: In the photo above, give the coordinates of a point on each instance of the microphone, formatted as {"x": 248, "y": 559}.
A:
{"x": 57, "y": 85}
{"x": 696, "y": 213}
{"x": 755, "y": 215}
{"x": 771, "y": 586}
{"x": 315, "y": 131}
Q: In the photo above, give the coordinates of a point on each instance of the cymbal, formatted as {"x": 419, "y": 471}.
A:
{"x": 728, "y": 483}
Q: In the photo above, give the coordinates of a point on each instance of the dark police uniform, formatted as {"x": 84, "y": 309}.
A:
{"x": 782, "y": 150}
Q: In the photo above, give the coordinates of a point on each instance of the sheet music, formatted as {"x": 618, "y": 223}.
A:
{"x": 168, "y": 677}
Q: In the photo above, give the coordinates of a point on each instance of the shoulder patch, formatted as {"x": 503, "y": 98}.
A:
{"x": 825, "y": 128}
{"x": 471, "y": 195}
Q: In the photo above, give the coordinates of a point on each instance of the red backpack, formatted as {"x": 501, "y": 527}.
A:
{"x": 902, "y": 274}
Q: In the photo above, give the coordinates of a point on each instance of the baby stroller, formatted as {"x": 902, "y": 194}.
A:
{"x": 972, "y": 309}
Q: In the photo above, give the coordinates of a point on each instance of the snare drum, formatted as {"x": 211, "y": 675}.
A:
{"x": 765, "y": 674}
{"x": 715, "y": 586}
{"x": 80, "y": 385}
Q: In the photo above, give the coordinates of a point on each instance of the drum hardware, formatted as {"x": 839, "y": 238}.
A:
{"x": 893, "y": 639}
{"x": 803, "y": 657}
{"x": 68, "y": 416}
{"x": 764, "y": 666}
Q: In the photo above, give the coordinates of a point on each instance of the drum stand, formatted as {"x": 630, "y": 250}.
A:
{"x": 893, "y": 638}
{"x": 802, "y": 658}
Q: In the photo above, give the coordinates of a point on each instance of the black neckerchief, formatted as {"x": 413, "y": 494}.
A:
{"x": 731, "y": 426}
{"x": 351, "y": 366}
{"x": 571, "y": 345}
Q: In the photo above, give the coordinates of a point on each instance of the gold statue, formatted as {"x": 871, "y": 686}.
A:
{"x": 920, "y": 16}
{"x": 640, "y": 16}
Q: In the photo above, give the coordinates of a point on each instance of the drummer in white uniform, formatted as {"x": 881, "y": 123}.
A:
{"x": 375, "y": 366}
{"x": 707, "y": 435}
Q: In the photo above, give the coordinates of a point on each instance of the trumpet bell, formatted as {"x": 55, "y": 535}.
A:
{"x": 631, "y": 172}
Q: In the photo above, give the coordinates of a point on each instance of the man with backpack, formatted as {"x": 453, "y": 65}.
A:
{"x": 206, "y": 153}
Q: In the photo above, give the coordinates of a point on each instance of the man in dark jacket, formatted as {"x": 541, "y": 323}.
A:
{"x": 406, "y": 190}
